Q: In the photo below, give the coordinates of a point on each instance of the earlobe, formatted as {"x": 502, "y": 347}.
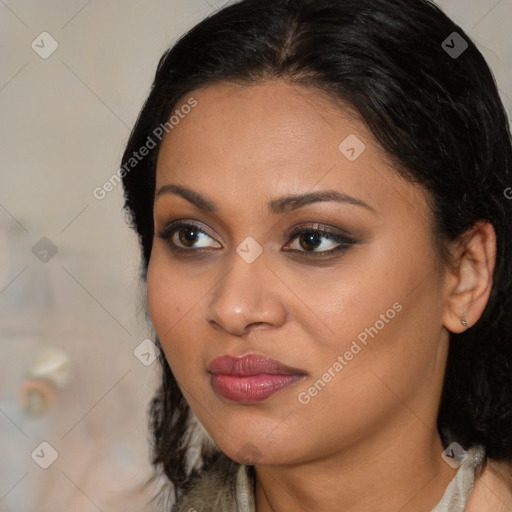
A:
{"x": 469, "y": 282}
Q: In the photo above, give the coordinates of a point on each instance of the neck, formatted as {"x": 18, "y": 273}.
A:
{"x": 398, "y": 471}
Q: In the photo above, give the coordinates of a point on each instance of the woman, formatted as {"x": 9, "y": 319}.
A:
{"x": 318, "y": 189}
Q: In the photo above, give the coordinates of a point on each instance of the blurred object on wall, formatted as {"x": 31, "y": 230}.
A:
{"x": 49, "y": 372}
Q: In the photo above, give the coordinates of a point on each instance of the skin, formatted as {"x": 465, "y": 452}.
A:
{"x": 368, "y": 439}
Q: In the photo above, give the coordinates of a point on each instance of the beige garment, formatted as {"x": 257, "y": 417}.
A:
{"x": 459, "y": 489}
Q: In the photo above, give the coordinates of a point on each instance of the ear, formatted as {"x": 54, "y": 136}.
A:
{"x": 469, "y": 281}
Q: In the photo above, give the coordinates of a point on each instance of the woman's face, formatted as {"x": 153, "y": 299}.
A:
{"x": 356, "y": 313}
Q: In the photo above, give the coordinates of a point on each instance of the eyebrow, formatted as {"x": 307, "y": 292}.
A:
{"x": 277, "y": 206}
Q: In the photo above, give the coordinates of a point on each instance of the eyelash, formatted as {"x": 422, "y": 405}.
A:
{"x": 344, "y": 241}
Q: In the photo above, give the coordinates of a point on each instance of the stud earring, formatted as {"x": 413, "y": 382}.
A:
{"x": 463, "y": 320}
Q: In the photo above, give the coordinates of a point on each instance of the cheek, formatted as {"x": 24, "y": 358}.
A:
{"x": 167, "y": 302}
{"x": 380, "y": 307}
{"x": 173, "y": 304}
{"x": 170, "y": 291}
{"x": 160, "y": 297}
{"x": 335, "y": 306}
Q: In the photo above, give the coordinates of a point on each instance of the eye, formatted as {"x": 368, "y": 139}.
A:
{"x": 185, "y": 236}
{"x": 316, "y": 240}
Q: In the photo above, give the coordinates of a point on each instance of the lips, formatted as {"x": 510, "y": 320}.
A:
{"x": 251, "y": 378}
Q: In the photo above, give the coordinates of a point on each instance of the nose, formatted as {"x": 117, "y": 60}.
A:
{"x": 247, "y": 297}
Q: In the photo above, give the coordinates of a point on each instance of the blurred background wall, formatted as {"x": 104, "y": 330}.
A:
{"x": 73, "y": 76}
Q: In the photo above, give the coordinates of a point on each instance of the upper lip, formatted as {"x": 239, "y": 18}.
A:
{"x": 251, "y": 364}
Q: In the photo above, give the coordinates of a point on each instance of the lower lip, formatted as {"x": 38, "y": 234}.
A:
{"x": 254, "y": 388}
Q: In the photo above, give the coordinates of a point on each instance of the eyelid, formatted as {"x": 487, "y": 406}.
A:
{"x": 175, "y": 224}
{"x": 341, "y": 237}
{"x": 317, "y": 226}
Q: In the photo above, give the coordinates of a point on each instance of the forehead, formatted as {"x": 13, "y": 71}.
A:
{"x": 241, "y": 142}
{"x": 273, "y": 117}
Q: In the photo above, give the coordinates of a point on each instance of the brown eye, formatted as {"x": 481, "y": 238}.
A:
{"x": 189, "y": 236}
{"x": 310, "y": 239}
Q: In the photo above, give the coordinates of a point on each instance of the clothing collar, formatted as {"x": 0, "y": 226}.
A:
{"x": 229, "y": 487}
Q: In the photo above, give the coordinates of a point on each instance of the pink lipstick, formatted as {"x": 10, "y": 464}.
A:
{"x": 251, "y": 378}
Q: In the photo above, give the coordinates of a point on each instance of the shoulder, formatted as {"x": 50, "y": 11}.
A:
{"x": 212, "y": 490}
{"x": 492, "y": 491}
